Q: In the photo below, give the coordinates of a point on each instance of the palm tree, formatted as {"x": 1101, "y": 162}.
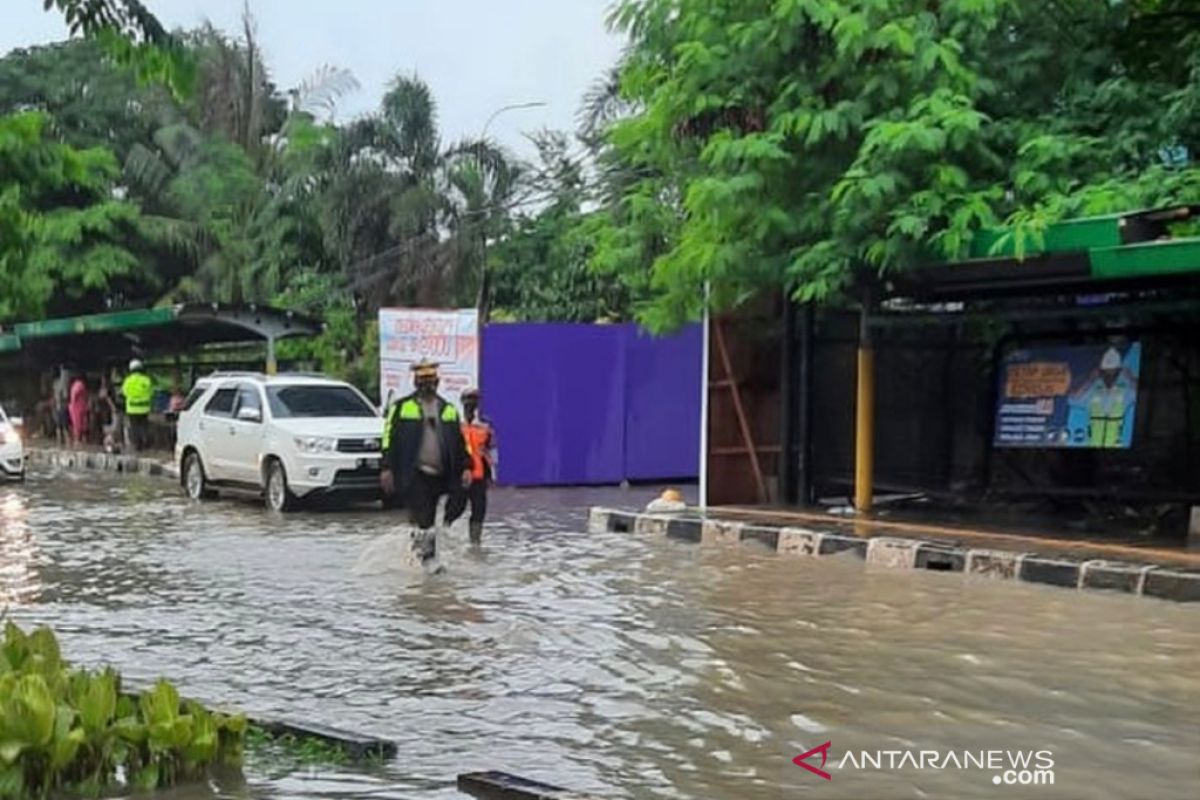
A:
{"x": 409, "y": 218}
{"x": 230, "y": 184}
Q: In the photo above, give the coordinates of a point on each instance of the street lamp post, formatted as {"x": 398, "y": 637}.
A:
{"x": 481, "y": 302}
{"x": 502, "y": 109}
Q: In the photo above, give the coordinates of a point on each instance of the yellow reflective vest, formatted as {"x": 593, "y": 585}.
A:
{"x": 139, "y": 391}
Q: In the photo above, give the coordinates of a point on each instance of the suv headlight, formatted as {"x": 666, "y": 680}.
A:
{"x": 315, "y": 444}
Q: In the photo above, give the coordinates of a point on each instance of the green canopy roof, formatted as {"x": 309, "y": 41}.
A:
{"x": 1073, "y": 255}
{"x": 166, "y": 329}
{"x": 97, "y": 323}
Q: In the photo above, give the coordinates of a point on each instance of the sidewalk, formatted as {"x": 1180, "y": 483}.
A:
{"x": 1035, "y": 558}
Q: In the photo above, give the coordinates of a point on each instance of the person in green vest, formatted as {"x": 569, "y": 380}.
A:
{"x": 1107, "y": 393}
{"x": 424, "y": 454}
{"x": 138, "y": 391}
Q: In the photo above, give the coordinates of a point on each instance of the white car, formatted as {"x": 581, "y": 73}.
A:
{"x": 12, "y": 450}
{"x": 285, "y": 437}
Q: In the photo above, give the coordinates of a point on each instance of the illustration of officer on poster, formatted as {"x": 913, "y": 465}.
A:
{"x": 1108, "y": 394}
{"x": 1081, "y": 396}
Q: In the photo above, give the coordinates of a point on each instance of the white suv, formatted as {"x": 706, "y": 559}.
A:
{"x": 282, "y": 436}
{"x": 12, "y": 451}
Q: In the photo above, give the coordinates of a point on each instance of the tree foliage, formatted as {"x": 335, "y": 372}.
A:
{"x": 64, "y": 241}
{"x": 122, "y": 192}
{"x": 541, "y": 267}
{"x": 133, "y": 37}
{"x": 799, "y": 143}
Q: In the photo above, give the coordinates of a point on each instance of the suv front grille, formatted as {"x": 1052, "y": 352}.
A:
{"x": 367, "y": 445}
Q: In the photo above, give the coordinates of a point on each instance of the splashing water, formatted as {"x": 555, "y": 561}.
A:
{"x": 408, "y": 550}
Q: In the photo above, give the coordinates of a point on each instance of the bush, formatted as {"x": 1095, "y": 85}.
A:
{"x": 75, "y": 729}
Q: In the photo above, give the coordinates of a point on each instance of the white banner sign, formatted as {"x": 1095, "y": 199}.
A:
{"x": 448, "y": 338}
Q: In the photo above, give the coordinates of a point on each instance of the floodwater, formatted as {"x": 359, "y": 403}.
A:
{"x": 627, "y": 666}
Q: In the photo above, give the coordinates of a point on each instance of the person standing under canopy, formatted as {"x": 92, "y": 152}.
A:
{"x": 77, "y": 407}
{"x": 138, "y": 390}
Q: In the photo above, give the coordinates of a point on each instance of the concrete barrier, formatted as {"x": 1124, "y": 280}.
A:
{"x": 150, "y": 465}
{"x": 1148, "y": 580}
{"x": 356, "y": 745}
{"x": 503, "y": 786}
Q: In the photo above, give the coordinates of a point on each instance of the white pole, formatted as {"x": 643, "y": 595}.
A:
{"x": 704, "y": 357}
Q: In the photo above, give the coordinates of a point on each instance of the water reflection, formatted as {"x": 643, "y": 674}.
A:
{"x": 628, "y": 666}
{"x": 19, "y": 581}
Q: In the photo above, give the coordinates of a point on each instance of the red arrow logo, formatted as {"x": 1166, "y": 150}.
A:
{"x": 799, "y": 761}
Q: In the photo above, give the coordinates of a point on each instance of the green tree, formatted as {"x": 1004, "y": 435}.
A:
{"x": 90, "y": 100}
{"x": 408, "y": 218}
{"x": 230, "y": 183}
{"x": 133, "y": 36}
{"x": 799, "y": 143}
{"x": 541, "y": 267}
{"x": 65, "y": 241}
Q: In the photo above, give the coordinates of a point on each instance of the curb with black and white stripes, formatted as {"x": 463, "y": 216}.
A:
{"x": 1148, "y": 580}
{"x": 104, "y": 462}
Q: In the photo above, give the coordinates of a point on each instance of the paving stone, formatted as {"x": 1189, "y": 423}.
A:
{"x": 768, "y": 537}
{"x": 686, "y": 529}
{"x": 716, "y": 531}
{"x": 1000, "y": 564}
{"x": 1111, "y": 575}
{"x": 940, "y": 558}
{"x": 620, "y": 522}
{"x": 833, "y": 543}
{"x": 650, "y": 525}
{"x": 886, "y": 552}
{"x": 598, "y": 520}
{"x": 1056, "y": 572}
{"x": 799, "y": 542}
{"x": 1180, "y": 585}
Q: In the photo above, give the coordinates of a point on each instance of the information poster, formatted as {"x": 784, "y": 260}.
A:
{"x": 1076, "y": 396}
{"x": 448, "y": 338}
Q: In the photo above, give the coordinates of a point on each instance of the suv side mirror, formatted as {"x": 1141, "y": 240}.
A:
{"x": 249, "y": 414}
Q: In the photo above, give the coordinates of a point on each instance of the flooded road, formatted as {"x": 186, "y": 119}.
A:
{"x": 630, "y": 667}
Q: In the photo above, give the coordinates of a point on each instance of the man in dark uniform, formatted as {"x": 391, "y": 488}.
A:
{"x": 424, "y": 455}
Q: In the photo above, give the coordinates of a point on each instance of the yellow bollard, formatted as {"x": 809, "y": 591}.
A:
{"x": 864, "y": 430}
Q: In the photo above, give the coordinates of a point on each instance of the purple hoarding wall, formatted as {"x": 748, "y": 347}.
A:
{"x": 662, "y": 404}
{"x": 580, "y": 404}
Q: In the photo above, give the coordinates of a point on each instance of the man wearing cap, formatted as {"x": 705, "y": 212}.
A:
{"x": 481, "y": 447}
{"x": 424, "y": 456}
{"x": 138, "y": 391}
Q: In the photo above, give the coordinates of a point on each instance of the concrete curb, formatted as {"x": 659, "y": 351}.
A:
{"x": 356, "y": 746}
{"x": 504, "y": 786}
{"x": 890, "y": 552}
{"x": 103, "y": 462}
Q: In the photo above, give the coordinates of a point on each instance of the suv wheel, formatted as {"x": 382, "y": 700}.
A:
{"x": 195, "y": 483}
{"x": 277, "y": 494}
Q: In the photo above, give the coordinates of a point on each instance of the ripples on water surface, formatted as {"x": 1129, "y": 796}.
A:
{"x": 632, "y": 667}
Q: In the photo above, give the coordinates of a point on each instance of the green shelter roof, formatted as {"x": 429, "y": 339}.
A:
{"x": 1073, "y": 255}
{"x": 98, "y": 323}
{"x": 173, "y": 328}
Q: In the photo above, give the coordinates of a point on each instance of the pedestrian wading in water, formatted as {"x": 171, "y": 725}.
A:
{"x": 424, "y": 456}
